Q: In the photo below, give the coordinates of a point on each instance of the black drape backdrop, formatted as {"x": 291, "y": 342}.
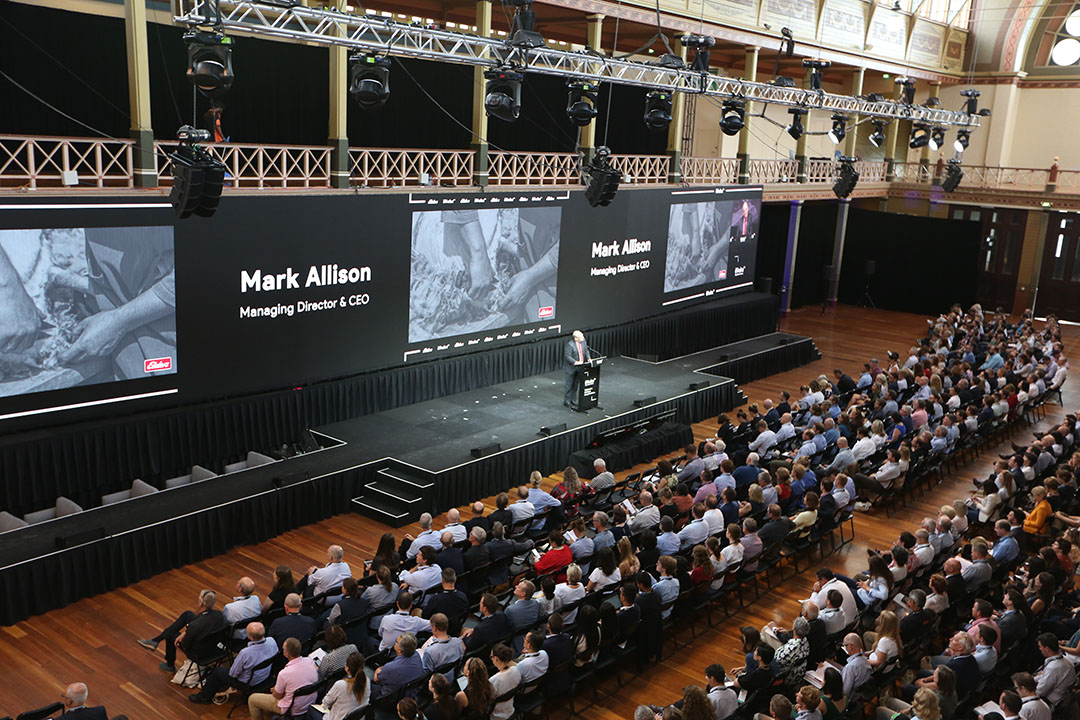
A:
{"x": 922, "y": 264}
{"x": 817, "y": 232}
{"x": 772, "y": 242}
{"x": 85, "y": 461}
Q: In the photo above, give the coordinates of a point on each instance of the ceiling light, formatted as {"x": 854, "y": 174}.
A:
{"x": 937, "y": 138}
{"x": 657, "y": 110}
{"x": 502, "y": 94}
{"x": 209, "y": 62}
{"x": 963, "y": 137}
{"x": 795, "y": 129}
{"x": 581, "y": 102}
{"x": 733, "y": 116}
{"x": 878, "y": 136}
{"x": 839, "y": 129}
{"x": 369, "y": 81}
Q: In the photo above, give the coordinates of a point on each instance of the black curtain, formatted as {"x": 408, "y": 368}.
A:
{"x": 817, "y": 232}
{"x": 921, "y": 264}
{"x": 772, "y": 242}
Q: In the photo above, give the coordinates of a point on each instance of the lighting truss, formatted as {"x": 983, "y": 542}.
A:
{"x": 381, "y": 35}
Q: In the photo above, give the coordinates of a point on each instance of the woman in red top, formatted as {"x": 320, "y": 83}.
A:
{"x": 701, "y": 570}
{"x": 556, "y": 558}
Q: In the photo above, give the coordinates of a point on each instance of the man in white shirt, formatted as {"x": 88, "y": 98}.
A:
{"x": 826, "y": 582}
{"x": 648, "y": 516}
{"x": 724, "y": 700}
{"x": 833, "y": 614}
{"x": 522, "y": 509}
{"x": 328, "y": 577}
{"x": 399, "y": 622}
{"x": 426, "y": 538}
{"x": 696, "y": 531}
{"x": 425, "y": 575}
{"x": 245, "y": 606}
{"x": 864, "y": 446}
{"x": 454, "y": 526}
{"x": 923, "y": 550}
{"x": 765, "y": 440}
{"x": 786, "y": 430}
{"x": 1057, "y": 674}
{"x": 713, "y": 517}
{"x": 533, "y": 664}
{"x": 1032, "y": 706}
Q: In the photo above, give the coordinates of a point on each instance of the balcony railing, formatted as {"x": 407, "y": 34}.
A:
{"x": 48, "y": 162}
{"x": 33, "y": 162}
{"x": 710, "y": 171}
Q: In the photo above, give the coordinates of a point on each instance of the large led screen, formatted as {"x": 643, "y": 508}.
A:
{"x": 480, "y": 270}
{"x": 711, "y": 242}
{"x": 84, "y": 306}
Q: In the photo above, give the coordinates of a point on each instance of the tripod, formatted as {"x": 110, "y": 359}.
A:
{"x": 867, "y": 300}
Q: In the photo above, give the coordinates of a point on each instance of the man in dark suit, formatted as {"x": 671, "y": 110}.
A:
{"x": 292, "y": 624}
{"x": 648, "y": 602}
{"x": 628, "y": 614}
{"x": 75, "y": 704}
{"x": 492, "y": 628}
{"x": 477, "y": 553}
{"x": 451, "y": 602}
{"x": 957, "y": 588}
{"x": 777, "y": 527}
{"x": 826, "y": 504}
{"x": 190, "y": 630}
{"x": 918, "y": 620}
{"x": 560, "y": 649}
{"x": 575, "y": 354}
{"x": 499, "y": 548}
{"x": 502, "y": 513}
{"x": 844, "y": 382}
{"x": 478, "y": 519}
{"x": 450, "y": 556}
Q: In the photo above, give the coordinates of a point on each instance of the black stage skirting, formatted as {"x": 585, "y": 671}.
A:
{"x": 761, "y": 357}
{"x": 641, "y": 448}
{"x": 159, "y": 532}
{"x": 85, "y": 461}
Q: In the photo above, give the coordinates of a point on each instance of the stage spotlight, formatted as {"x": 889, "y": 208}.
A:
{"x": 209, "y": 62}
{"x": 848, "y": 178}
{"x": 963, "y": 137}
{"x": 700, "y": 44}
{"x": 795, "y": 129}
{"x": 581, "y": 102}
{"x": 971, "y": 104}
{"x": 907, "y": 90}
{"x": 878, "y": 136}
{"x": 937, "y": 138}
{"x": 920, "y": 136}
{"x": 733, "y": 116}
{"x": 816, "y": 66}
{"x": 197, "y": 175}
{"x": 601, "y": 179}
{"x": 953, "y": 176}
{"x": 369, "y": 81}
{"x": 657, "y": 110}
{"x": 839, "y": 129}
{"x": 502, "y": 94}
{"x": 523, "y": 31}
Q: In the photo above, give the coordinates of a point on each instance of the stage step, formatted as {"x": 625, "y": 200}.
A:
{"x": 392, "y": 512}
{"x": 397, "y": 495}
{"x": 404, "y": 476}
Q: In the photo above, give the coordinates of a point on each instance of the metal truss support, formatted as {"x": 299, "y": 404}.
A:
{"x": 372, "y": 33}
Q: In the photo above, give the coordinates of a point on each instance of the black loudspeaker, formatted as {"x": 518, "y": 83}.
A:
{"x": 827, "y": 274}
{"x": 286, "y": 479}
{"x": 699, "y": 385}
{"x": 79, "y": 538}
{"x": 763, "y": 285}
{"x": 870, "y": 268}
{"x": 547, "y": 430}
{"x": 642, "y": 402}
{"x": 308, "y": 443}
{"x": 648, "y": 357}
{"x": 479, "y": 452}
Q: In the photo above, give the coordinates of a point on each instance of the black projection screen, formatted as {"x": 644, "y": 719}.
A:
{"x": 920, "y": 264}
{"x": 276, "y": 291}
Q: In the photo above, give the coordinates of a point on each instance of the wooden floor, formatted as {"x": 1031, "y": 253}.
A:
{"x": 94, "y": 640}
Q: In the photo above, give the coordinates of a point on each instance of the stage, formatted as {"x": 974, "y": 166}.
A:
{"x": 417, "y": 450}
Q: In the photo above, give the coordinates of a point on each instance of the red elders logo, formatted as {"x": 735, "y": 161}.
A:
{"x": 157, "y": 364}
{"x": 723, "y": 274}
{"x": 546, "y": 312}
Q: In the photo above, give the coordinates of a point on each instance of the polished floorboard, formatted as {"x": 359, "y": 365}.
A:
{"x": 94, "y": 640}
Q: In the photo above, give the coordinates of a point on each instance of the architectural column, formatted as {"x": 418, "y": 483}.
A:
{"x": 789, "y": 256}
{"x": 594, "y": 39}
{"x": 138, "y": 70}
{"x": 750, "y": 73}
{"x": 853, "y": 125}
{"x": 838, "y": 248}
{"x": 339, "y": 99}
{"x": 675, "y": 130}
{"x": 1002, "y": 127}
{"x": 1031, "y": 260}
{"x": 479, "y": 117}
